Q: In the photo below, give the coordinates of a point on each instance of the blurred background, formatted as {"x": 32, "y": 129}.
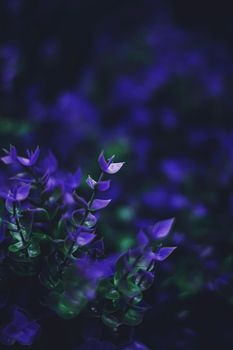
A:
{"x": 150, "y": 81}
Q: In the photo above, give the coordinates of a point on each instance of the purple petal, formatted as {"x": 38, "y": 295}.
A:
{"x": 91, "y": 182}
{"x": 103, "y": 185}
{"x": 84, "y": 238}
{"x": 99, "y": 204}
{"x": 22, "y": 192}
{"x": 114, "y": 168}
{"x": 162, "y": 228}
{"x": 162, "y": 253}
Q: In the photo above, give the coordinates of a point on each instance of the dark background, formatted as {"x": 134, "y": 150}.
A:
{"x": 61, "y": 64}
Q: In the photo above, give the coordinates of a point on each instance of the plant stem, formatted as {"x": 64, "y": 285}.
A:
{"x": 139, "y": 283}
{"x": 81, "y": 223}
{"x": 18, "y": 224}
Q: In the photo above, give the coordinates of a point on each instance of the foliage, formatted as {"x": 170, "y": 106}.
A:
{"x": 49, "y": 238}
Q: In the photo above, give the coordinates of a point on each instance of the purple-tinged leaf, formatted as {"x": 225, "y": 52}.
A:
{"x": 32, "y": 158}
{"x": 90, "y": 221}
{"x": 49, "y": 164}
{"x": 102, "y": 162}
{"x": 74, "y": 234}
{"x": 91, "y": 182}
{"x": 85, "y": 238}
{"x": 99, "y": 204}
{"x": 109, "y": 167}
{"x": 162, "y": 228}
{"x": 20, "y": 330}
{"x": 79, "y": 215}
{"x": 142, "y": 238}
{"x": 74, "y": 180}
{"x": 113, "y": 168}
{"x": 103, "y": 185}
{"x": 162, "y": 253}
{"x": 98, "y": 247}
{"x": 22, "y": 192}
{"x": 27, "y": 335}
{"x": 80, "y": 200}
{"x": 40, "y": 212}
{"x": 100, "y": 186}
{"x": 10, "y": 156}
{"x": 20, "y": 177}
{"x": 136, "y": 346}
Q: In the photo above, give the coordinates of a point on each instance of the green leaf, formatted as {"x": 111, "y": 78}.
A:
{"x": 128, "y": 287}
{"x": 33, "y": 249}
{"x": 144, "y": 279}
{"x": 136, "y": 299}
{"x": 60, "y": 232}
{"x": 16, "y": 247}
{"x": 112, "y": 294}
{"x": 66, "y": 305}
{"x": 41, "y": 214}
{"x": 106, "y": 289}
{"x": 132, "y": 318}
{"x": 12, "y": 227}
{"x": 50, "y": 276}
{"x": 112, "y": 306}
{"x": 110, "y": 320}
{"x": 16, "y": 235}
{"x": 39, "y": 236}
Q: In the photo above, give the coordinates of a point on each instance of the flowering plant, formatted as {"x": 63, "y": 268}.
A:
{"x": 49, "y": 238}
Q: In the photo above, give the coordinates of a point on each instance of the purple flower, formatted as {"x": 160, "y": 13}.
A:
{"x": 31, "y": 159}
